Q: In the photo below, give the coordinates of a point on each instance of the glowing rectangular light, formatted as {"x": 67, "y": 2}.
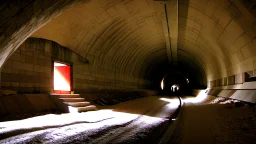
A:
{"x": 61, "y": 77}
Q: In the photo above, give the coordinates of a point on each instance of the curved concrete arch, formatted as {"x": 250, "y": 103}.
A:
{"x": 224, "y": 27}
{"x": 209, "y": 61}
{"x": 129, "y": 61}
{"x": 192, "y": 58}
{"x": 193, "y": 65}
{"x": 127, "y": 37}
{"x": 143, "y": 47}
{"x": 19, "y": 24}
{"x": 156, "y": 56}
{"x": 155, "y": 59}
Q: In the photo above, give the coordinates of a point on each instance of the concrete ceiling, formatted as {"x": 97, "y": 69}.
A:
{"x": 216, "y": 36}
{"x": 127, "y": 34}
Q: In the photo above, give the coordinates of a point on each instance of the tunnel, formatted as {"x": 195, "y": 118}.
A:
{"x": 102, "y": 49}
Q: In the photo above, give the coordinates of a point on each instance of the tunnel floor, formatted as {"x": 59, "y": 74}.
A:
{"x": 135, "y": 121}
{"x": 215, "y": 121}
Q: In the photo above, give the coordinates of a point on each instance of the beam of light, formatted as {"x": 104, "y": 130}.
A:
{"x": 199, "y": 98}
{"x": 72, "y": 109}
{"x": 167, "y": 99}
{"x": 53, "y": 128}
{"x": 51, "y": 120}
{"x": 173, "y": 103}
{"x": 60, "y": 82}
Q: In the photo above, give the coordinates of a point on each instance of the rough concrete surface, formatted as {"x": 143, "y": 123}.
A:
{"x": 137, "y": 121}
{"x": 218, "y": 122}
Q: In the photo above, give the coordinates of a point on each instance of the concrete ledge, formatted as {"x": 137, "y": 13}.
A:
{"x": 244, "y": 92}
{"x": 245, "y": 85}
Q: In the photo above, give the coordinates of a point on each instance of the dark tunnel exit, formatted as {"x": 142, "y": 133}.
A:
{"x": 187, "y": 76}
{"x": 175, "y": 83}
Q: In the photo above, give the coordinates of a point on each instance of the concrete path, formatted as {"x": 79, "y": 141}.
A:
{"x": 204, "y": 123}
{"x": 135, "y": 121}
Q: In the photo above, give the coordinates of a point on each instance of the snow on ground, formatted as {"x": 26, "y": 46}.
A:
{"x": 128, "y": 122}
{"x": 216, "y": 120}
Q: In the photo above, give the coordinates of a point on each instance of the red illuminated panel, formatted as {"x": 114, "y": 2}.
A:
{"x": 62, "y": 78}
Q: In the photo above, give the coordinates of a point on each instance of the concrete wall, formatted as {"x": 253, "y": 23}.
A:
{"x": 236, "y": 79}
{"x": 244, "y": 92}
{"x": 91, "y": 96}
{"x": 218, "y": 34}
{"x": 29, "y": 70}
{"x": 26, "y": 103}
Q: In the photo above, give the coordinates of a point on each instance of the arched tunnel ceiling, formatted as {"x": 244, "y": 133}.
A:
{"x": 217, "y": 32}
{"x": 127, "y": 34}
{"x": 130, "y": 35}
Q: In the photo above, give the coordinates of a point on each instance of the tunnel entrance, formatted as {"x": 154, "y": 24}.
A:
{"x": 61, "y": 78}
{"x": 175, "y": 88}
{"x": 176, "y": 83}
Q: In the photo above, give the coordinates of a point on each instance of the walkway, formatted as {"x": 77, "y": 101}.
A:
{"x": 205, "y": 123}
{"x": 135, "y": 121}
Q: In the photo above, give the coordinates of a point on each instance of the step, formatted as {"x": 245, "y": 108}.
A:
{"x": 77, "y": 104}
{"x": 86, "y": 108}
{"x": 72, "y": 99}
{"x": 67, "y": 95}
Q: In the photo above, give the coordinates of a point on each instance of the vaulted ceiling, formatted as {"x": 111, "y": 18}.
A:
{"x": 124, "y": 34}
{"x": 213, "y": 38}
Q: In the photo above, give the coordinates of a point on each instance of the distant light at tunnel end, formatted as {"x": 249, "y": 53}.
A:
{"x": 162, "y": 84}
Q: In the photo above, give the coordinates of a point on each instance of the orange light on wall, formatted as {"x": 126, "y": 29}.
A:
{"x": 61, "y": 77}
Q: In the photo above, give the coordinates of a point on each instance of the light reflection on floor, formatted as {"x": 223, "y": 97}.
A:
{"x": 198, "y": 99}
{"x": 69, "y": 127}
{"x": 173, "y": 102}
